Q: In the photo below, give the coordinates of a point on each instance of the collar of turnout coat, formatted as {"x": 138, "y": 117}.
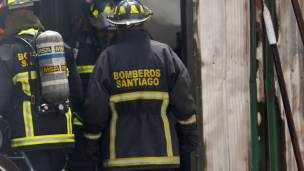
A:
{"x": 20, "y": 20}
{"x": 143, "y": 34}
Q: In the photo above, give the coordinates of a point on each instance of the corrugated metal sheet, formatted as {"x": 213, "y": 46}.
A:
{"x": 291, "y": 51}
{"x": 225, "y": 52}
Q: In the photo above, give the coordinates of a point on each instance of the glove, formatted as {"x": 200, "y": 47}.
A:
{"x": 191, "y": 141}
{"x": 91, "y": 150}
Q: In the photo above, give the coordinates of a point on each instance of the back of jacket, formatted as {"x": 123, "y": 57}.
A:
{"x": 18, "y": 81}
{"x": 134, "y": 85}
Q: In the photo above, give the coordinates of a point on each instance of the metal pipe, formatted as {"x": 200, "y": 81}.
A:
{"x": 27, "y": 161}
{"x": 16, "y": 158}
{"x": 282, "y": 85}
{"x": 299, "y": 17}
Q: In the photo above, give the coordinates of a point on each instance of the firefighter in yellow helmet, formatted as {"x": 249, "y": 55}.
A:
{"x": 88, "y": 42}
{"x": 133, "y": 87}
{"x": 39, "y": 128}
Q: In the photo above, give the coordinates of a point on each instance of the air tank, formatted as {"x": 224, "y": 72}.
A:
{"x": 52, "y": 67}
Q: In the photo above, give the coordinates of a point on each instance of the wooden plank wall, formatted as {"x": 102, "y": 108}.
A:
{"x": 223, "y": 27}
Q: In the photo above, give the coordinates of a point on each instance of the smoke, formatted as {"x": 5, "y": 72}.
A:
{"x": 166, "y": 20}
{"x": 165, "y": 11}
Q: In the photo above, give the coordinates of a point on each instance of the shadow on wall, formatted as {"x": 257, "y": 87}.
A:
{"x": 165, "y": 33}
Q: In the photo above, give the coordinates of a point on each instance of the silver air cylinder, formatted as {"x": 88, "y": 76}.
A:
{"x": 52, "y": 66}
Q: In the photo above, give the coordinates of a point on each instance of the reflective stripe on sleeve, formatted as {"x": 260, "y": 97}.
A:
{"x": 141, "y": 161}
{"x": 190, "y": 121}
{"x": 85, "y": 69}
{"x": 92, "y": 136}
{"x": 77, "y": 122}
{"x": 49, "y": 139}
{"x": 153, "y": 95}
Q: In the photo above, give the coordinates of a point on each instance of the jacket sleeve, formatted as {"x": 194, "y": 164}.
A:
{"x": 182, "y": 104}
{"x": 96, "y": 110}
{"x": 6, "y": 83}
{"x": 76, "y": 95}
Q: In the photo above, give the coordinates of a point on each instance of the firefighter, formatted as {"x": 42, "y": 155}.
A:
{"x": 88, "y": 42}
{"x": 133, "y": 87}
{"x": 39, "y": 127}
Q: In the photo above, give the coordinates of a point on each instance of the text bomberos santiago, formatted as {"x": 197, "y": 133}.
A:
{"x": 134, "y": 78}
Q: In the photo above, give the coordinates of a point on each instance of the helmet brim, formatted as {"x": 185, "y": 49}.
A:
{"x": 129, "y": 21}
{"x": 5, "y": 10}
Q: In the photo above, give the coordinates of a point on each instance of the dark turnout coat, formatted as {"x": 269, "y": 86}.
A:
{"x": 18, "y": 82}
{"x": 86, "y": 53}
{"x": 133, "y": 87}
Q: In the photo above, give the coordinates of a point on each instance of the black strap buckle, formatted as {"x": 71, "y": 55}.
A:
{"x": 33, "y": 99}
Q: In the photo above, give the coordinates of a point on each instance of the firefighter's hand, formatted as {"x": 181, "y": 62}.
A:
{"x": 92, "y": 150}
{"x": 191, "y": 141}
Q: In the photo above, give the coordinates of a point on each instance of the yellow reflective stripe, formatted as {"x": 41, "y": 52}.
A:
{"x": 77, "y": 122}
{"x": 48, "y": 139}
{"x": 69, "y": 121}
{"x": 122, "y": 10}
{"x": 167, "y": 127}
{"x": 44, "y": 142}
{"x": 141, "y": 161}
{"x": 107, "y": 9}
{"x": 134, "y": 96}
{"x": 29, "y": 31}
{"x": 115, "y": 12}
{"x": 113, "y": 131}
{"x": 26, "y": 87}
{"x": 28, "y": 119}
{"x": 85, "y": 69}
{"x": 92, "y": 7}
{"x": 10, "y": 1}
{"x": 24, "y": 79}
{"x": 133, "y": 9}
{"x": 189, "y": 121}
{"x": 142, "y": 9}
{"x": 92, "y": 136}
{"x": 95, "y": 13}
{"x": 24, "y": 76}
{"x": 139, "y": 95}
